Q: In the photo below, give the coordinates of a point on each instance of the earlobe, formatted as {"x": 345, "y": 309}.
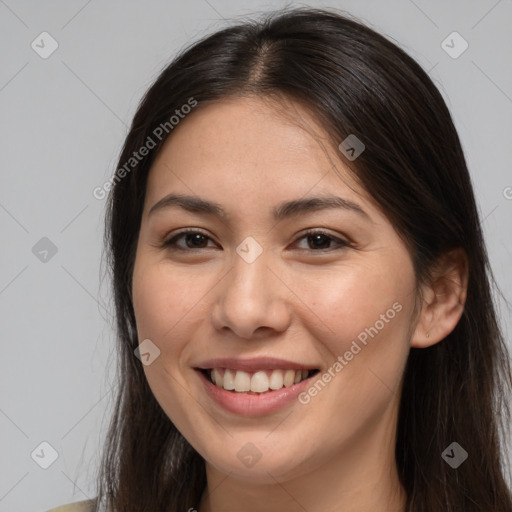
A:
{"x": 443, "y": 300}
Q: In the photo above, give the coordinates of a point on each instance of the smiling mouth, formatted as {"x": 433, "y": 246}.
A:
{"x": 263, "y": 381}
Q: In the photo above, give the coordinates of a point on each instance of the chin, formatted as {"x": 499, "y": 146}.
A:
{"x": 259, "y": 465}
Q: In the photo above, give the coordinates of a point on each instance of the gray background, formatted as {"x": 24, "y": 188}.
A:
{"x": 63, "y": 120}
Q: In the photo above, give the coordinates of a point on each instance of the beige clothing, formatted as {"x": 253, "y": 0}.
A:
{"x": 78, "y": 506}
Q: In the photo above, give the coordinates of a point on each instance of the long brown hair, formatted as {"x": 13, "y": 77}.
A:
{"x": 354, "y": 81}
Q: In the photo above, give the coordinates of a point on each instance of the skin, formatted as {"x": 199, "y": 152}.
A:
{"x": 294, "y": 302}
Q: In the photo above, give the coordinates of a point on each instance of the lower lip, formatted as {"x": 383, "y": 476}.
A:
{"x": 253, "y": 405}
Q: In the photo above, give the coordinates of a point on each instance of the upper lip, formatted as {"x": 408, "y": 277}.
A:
{"x": 254, "y": 364}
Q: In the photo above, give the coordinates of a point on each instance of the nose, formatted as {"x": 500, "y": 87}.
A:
{"x": 252, "y": 301}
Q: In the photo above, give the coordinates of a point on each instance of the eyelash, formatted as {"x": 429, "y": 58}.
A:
{"x": 171, "y": 243}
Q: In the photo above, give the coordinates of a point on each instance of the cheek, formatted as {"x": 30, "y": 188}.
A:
{"x": 350, "y": 299}
{"x": 161, "y": 301}
{"x": 161, "y": 304}
{"x": 361, "y": 316}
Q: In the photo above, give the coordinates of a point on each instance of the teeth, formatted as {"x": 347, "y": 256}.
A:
{"x": 258, "y": 382}
{"x": 276, "y": 379}
{"x": 289, "y": 378}
{"x": 242, "y": 381}
{"x": 217, "y": 378}
{"x": 229, "y": 381}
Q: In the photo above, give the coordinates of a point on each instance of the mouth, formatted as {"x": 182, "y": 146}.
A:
{"x": 254, "y": 387}
{"x": 265, "y": 381}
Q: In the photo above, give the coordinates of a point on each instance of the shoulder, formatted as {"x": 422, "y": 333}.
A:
{"x": 78, "y": 506}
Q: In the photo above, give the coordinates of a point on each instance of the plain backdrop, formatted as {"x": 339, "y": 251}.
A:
{"x": 63, "y": 120}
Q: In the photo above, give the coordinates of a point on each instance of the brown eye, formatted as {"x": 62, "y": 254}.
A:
{"x": 318, "y": 240}
{"x": 193, "y": 240}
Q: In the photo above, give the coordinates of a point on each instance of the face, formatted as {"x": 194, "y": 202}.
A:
{"x": 327, "y": 290}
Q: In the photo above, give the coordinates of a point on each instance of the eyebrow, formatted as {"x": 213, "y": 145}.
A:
{"x": 284, "y": 210}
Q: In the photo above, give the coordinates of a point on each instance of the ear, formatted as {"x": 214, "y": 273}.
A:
{"x": 443, "y": 299}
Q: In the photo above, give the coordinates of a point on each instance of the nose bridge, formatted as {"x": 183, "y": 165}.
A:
{"x": 250, "y": 269}
{"x": 250, "y": 296}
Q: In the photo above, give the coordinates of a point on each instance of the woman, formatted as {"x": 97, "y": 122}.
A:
{"x": 302, "y": 289}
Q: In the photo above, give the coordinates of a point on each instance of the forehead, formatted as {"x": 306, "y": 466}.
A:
{"x": 252, "y": 149}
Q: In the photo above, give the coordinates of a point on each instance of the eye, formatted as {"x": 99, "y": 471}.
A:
{"x": 320, "y": 238}
{"x": 195, "y": 239}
